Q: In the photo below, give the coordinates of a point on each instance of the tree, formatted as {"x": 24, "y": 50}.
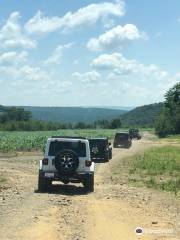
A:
{"x": 169, "y": 120}
{"x": 101, "y": 124}
{"x": 115, "y": 123}
{"x": 80, "y": 125}
{"x": 15, "y": 114}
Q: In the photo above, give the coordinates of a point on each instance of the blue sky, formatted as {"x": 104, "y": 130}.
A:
{"x": 88, "y": 53}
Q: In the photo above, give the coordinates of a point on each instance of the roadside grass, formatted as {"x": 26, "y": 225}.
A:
{"x": 34, "y": 141}
{"x": 3, "y": 180}
{"x": 157, "y": 168}
{"x": 151, "y": 130}
{"x": 175, "y": 137}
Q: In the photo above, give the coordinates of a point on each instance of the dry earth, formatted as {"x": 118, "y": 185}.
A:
{"x": 112, "y": 212}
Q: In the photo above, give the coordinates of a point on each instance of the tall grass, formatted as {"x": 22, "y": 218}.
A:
{"x": 157, "y": 168}
{"x": 175, "y": 137}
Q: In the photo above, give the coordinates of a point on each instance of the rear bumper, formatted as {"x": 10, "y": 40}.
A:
{"x": 76, "y": 177}
{"x": 123, "y": 145}
{"x": 99, "y": 156}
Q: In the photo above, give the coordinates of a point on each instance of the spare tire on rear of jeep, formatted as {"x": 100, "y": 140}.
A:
{"x": 66, "y": 162}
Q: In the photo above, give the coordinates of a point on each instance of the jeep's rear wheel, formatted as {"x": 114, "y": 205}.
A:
{"x": 106, "y": 159}
{"x": 110, "y": 155}
{"x": 42, "y": 182}
{"x": 115, "y": 145}
{"x": 66, "y": 162}
{"x": 89, "y": 183}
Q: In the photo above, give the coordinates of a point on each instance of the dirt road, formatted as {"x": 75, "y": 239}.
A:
{"x": 112, "y": 212}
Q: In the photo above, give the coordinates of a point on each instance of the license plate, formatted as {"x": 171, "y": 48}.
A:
{"x": 49, "y": 175}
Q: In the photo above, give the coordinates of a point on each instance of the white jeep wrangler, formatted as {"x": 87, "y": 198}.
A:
{"x": 66, "y": 159}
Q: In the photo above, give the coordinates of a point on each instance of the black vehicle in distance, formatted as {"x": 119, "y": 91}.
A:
{"x": 100, "y": 149}
{"x": 122, "y": 140}
{"x": 134, "y": 133}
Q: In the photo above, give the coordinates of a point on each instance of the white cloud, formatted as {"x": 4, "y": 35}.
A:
{"x": 115, "y": 38}
{"x": 171, "y": 82}
{"x": 23, "y": 73}
{"x": 33, "y": 73}
{"x": 12, "y": 36}
{"x": 88, "y": 77}
{"x": 56, "y": 56}
{"x": 132, "y": 90}
{"x": 63, "y": 87}
{"x": 122, "y": 66}
{"x": 57, "y": 87}
{"x": 177, "y": 76}
{"x": 13, "y": 58}
{"x": 131, "y": 78}
{"x": 85, "y": 16}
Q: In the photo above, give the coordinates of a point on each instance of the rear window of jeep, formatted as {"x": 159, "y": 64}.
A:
{"x": 98, "y": 142}
{"x": 78, "y": 147}
{"x": 121, "y": 136}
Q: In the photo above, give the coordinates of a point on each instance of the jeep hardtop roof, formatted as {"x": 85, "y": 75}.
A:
{"x": 134, "y": 129}
{"x": 101, "y": 138}
{"x": 122, "y": 133}
{"x": 69, "y": 137}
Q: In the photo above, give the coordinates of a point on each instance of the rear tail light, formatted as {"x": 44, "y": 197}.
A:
{"x": 88, "y": 163}
{"x": 45, "y": 161}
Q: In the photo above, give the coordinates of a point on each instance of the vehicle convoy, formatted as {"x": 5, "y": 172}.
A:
{"x": 134, "y": 133}
{"x": 66, "y": 159}
{"x": 100, "y": 149}
{"x": 122, "y": 140}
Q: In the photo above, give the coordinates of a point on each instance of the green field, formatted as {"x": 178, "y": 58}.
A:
{"x": 175, "y": 137}
{"x": 32, "y": 141}
{"x": 159, "y": 168}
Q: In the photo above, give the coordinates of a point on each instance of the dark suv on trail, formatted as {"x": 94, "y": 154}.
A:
{"x": 122, "y": 140}
{"x": 100, "y": 149}
{"x": 134, "y": 133}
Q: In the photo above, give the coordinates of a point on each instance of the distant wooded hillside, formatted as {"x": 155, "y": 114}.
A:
{"x": 2, "y": 108}
{"x": 73, "y": 114}
{"x": 143, "y": 116}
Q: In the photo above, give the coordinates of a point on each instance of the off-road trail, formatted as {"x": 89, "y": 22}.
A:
{"x": 112, "y": 212}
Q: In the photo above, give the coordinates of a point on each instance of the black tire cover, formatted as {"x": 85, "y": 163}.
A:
{"x": 95, "y": 149}
{"x": 66, "y": 162}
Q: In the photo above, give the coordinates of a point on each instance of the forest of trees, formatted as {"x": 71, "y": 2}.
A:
{"x": 14, "y": 114}
{"x": 17, "y": 119}
{"x": 143, "y": 116}
{"x": 168, "y": 121}
{"x": 73, "y": 114}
